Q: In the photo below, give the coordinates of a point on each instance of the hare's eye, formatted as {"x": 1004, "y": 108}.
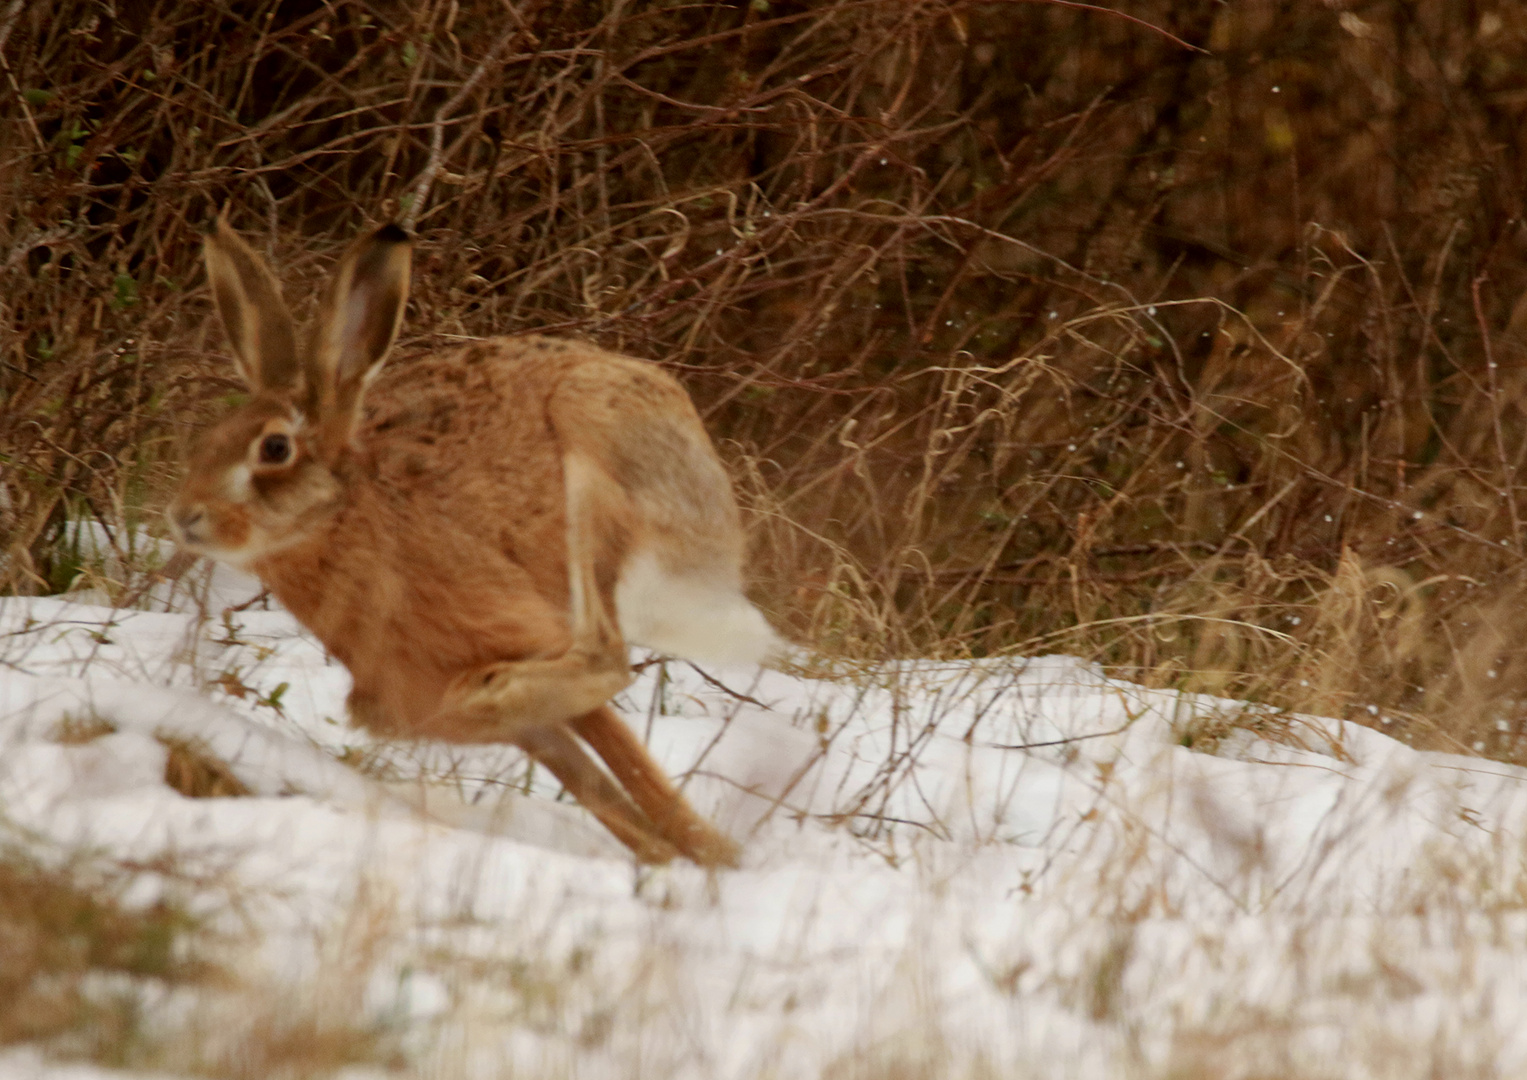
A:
{"x": 275, "y": 450}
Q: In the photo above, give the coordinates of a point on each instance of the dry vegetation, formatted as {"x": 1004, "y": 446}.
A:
{"x": 1191, "y": 338}
{"x": 87, "y": 973}
{"x": 61, "y": 927}
{"x": 104, "y": 959}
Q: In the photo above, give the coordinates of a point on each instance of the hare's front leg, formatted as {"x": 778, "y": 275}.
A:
{"x": 557, "y": 749}
{"x": 649, "y": 787}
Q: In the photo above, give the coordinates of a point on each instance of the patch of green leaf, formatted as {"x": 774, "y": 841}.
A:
{"x": 124, "y": 291}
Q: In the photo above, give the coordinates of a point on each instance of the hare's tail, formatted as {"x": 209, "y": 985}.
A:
{"x": 689, "y": 614}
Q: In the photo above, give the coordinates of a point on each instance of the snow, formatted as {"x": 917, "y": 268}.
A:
{"x": 1006, "y": 868}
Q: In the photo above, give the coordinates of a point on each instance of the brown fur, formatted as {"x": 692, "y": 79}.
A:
{"x": 425, "y": 536}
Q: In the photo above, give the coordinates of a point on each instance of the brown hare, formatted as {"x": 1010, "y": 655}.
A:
{"x": 478, "y": 534}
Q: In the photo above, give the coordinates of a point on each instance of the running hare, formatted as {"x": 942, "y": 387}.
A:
{"x": 477, "y": 535}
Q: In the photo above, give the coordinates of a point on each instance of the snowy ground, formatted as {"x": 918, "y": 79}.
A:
{"x": 978, "y": 870}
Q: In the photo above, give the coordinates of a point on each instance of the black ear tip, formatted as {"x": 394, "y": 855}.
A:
{"x": 391, "y": 233}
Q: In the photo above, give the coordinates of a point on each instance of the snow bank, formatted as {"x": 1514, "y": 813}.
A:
{"x": 950, "y": 869}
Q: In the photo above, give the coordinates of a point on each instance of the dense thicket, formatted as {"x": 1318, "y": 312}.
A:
{"x": 1187, "y": 335}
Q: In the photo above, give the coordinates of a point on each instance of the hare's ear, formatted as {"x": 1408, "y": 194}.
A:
{"x": 249, "y": 302}
{"x": 359, "y": 323}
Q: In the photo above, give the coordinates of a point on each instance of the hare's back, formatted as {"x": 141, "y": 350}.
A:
{"x": 483, "y": 433}
{"x": 497, "y": 386}
{"x": 512, "y": 408}
{"x": 468, "y": 430}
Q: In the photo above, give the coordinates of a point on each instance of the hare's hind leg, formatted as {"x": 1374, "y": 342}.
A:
{"x": 678, "y": 583}
{"x": 696, "y": 838}
{"x": 517, "y": 695}
{"x": 590, "y": 493}
{"x": 528, "y": 701}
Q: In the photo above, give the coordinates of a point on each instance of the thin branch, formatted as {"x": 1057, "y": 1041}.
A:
{"x": 437, "y": 130}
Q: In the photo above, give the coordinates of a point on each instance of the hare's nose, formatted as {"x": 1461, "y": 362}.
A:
{"x": 190, "y": 523}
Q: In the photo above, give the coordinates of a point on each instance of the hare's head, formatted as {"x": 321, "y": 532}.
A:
{"x": 271, "y": 472}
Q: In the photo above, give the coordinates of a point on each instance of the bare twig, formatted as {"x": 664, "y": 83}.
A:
{"x": 431, "y": 170}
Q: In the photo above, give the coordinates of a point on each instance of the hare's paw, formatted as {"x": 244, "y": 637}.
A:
{"x": 511, "y": 696}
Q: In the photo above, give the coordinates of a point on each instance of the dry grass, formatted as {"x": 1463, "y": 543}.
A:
{"x": 188, "y": 768}
{"x": 1026, "y": 328}
{"x": 89, "y": 970}
{"x": 64, "y": 927}
{"x": 86, "y": 973}
{"x": 196, "y": 774}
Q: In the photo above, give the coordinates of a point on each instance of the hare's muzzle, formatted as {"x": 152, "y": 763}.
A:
{"x": 190, "y": 524}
